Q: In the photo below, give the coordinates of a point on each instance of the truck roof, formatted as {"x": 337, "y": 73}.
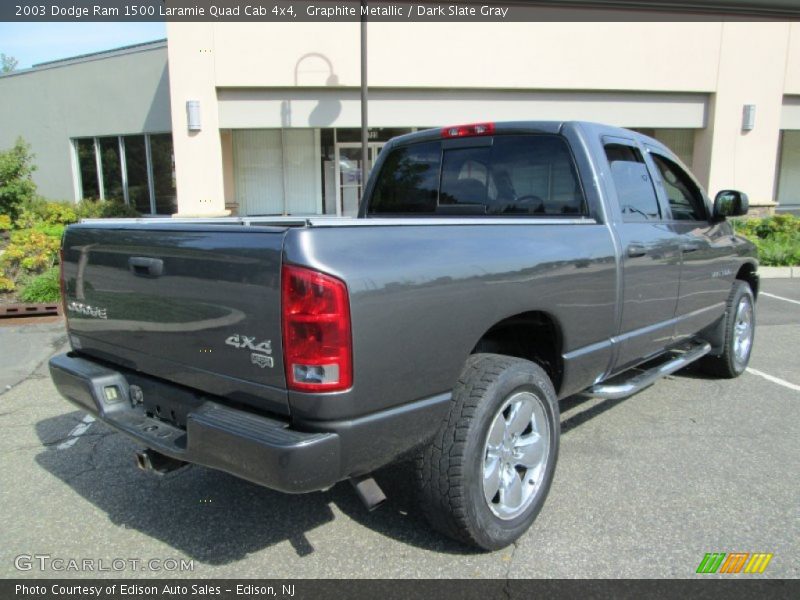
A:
{"x": 552, "y": 127}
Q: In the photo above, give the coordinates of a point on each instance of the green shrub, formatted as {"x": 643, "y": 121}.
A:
{"x": 60, "y": 213}
{"x": 26, "y": 219}
{"x": 36, "y": 206}
{"x": 779, "y": 251}
{"x": 104, "y": 209}
{"x": 55, "y": 230}
{"x": 6, "y": 284}
{"x": 777, "y": 238}
{"x": 767, "y": 226}
{"x": 35, "y": 236}
{"x": 31, "y": 251}
{"x": 39, "y": 210}
{"x": 16, "y": 184}
{"x": 42, "y": 288}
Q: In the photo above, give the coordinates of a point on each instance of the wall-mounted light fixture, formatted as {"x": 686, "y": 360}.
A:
{"x": 193, "y": 115}
{"x": 748, "y": 117}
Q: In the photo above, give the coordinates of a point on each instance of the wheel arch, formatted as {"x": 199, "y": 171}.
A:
{"x": 748, "y": 273}
{"x": 533, "y": 335}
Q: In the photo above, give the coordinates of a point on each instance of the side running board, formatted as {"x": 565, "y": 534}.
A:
{"x": 620, "y": 387}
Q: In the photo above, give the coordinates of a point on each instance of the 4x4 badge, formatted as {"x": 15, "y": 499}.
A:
{"x": 243, "y": 341}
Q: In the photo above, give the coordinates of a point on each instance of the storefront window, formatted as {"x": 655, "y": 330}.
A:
{"x": 87, "y": 167}
{"x": 147, "y": 184}
{"x": 163, "y": 173}
{"x": 328, "y": 153}
{"x": 136, "y": 164}
{"x": 112, "y": 173}
{"x": 789, "y": 172}
{"x": 297, "y": 171}
{"x": 374, "y": 134}
{"x": 277, "y": 171}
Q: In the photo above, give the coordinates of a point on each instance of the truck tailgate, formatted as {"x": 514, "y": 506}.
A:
{"x": 197, "y": 305}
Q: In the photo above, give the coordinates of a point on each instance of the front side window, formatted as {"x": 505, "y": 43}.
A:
{"x": 685, "y": 199}
{"x": 635, "y": 191}
{"x": 515, "y": 175}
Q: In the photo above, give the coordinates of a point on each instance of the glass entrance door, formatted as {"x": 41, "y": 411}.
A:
{"x": 349, "y": 186}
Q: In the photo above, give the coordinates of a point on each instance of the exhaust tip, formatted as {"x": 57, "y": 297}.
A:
{"x": 141, "y": 460}
{"x": 154, "y": 462}
{"x": 368, "y": 490}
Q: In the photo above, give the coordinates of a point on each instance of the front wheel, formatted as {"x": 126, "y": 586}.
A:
{"x": 739, "y": 328}
{"x": 484, "y": 478}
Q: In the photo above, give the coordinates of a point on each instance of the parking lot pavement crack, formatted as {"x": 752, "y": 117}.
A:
{"x": 20, "y": 449}
{"x": 507, "y": 586}
{"x": 38, "y": 377}
{"x": 39, "y": 370}
{"x": 81, "y": 473}
{"x": 59, "y": 341}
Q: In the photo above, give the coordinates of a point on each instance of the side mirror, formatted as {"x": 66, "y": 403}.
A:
{"x": 730, "y": 203}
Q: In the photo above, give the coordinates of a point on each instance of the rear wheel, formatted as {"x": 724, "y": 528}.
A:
{"x": 485, "y": 477}
{"x": 739, "y": 327}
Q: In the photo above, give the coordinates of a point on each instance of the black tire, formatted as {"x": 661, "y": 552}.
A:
{"x": 728, "y": 364}
{"x": 449, "y": 471}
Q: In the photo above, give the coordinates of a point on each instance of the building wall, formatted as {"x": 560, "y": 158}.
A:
{"x": 108, "y": 94}
{"x": 752, "y": 70}
{"x": 645, "y": 75}
{"x": 588, "y": 56}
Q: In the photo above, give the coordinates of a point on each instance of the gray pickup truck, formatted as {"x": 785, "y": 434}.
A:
{"x": 493, "y": 270}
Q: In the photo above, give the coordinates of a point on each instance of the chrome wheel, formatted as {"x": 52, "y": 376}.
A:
{"x": 515, "y": 455}
{"x": 743, "y": 331}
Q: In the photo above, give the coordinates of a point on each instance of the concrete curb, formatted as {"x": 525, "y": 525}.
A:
{"x": 779, "y": 272}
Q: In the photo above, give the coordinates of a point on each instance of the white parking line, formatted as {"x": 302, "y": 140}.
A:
{"x": 779, "y": 298}
{"x": 774, "y": 379}
{"x": 77, "y": 432}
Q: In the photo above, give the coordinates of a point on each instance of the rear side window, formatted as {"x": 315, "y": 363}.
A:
{"x": 516, "y": 175}
{"x": 409, "y": 180}
{"x": 685, "y": 199}
{"x": 635, "y": 191}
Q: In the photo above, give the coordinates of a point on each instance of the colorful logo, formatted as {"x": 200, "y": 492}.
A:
{"x": 734, "y": 562}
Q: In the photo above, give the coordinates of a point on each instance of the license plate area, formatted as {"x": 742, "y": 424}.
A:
{"x": 172, "y": 407}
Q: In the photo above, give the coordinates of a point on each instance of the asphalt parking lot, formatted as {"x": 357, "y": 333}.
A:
{"x": 644, "y": 487}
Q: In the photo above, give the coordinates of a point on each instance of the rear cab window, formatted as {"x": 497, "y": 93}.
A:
{"x": 530, "y": 175}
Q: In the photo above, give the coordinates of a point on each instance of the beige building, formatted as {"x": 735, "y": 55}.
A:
{"x": 275, "y": 112}
{"x": 279, "y": 104}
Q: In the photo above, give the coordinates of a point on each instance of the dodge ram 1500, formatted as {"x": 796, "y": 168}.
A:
{"x": 493, "y": 269}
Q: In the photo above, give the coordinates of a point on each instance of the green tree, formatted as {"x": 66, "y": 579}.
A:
{"x": 8, "y": 63}
{"x": 16, "y": 184}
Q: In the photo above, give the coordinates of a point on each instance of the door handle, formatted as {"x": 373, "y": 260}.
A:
{"x": 689, "y": 247}
{"x": 635, "y": 250}
{"x": 146, "y": 267}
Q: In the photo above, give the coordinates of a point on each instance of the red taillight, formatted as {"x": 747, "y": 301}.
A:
{"x": 317, "y": 343}
{"x": 468, "y": 130}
